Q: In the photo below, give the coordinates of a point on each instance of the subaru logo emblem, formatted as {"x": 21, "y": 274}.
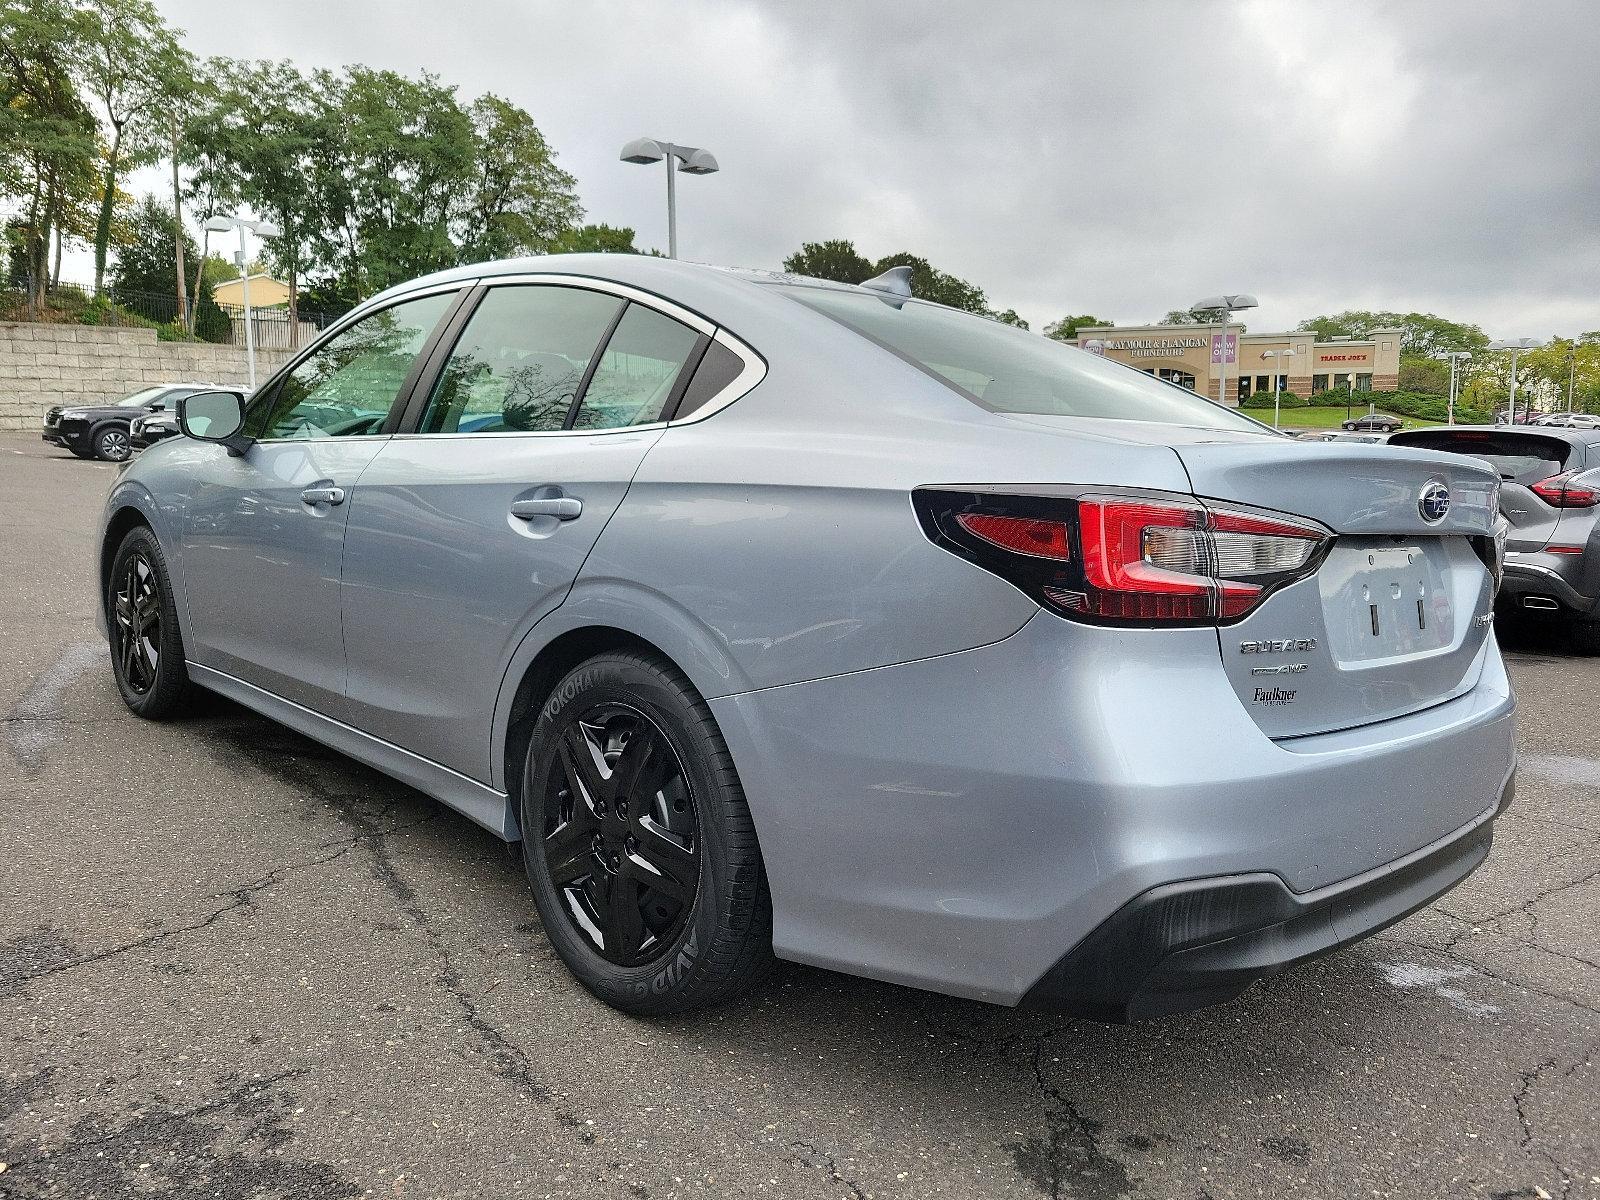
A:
{"x": 1434, "y": 502}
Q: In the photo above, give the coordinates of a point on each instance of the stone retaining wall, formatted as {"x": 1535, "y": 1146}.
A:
{"x": 42, "y": 365}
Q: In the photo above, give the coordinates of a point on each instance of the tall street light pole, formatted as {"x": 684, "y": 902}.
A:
{"x": 1227, "y": 305}
{"x": 1277, "y": 379}
{"x": 688, "y": 159}
{"x": 1514, "y": 345}
{"x": 241, "y": 259}
{"x": 1456, "y": 357}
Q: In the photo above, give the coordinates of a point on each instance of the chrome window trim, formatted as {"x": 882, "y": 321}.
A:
{"x": 755, "y": 370}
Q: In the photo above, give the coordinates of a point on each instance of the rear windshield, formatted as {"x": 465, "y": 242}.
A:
{"x": 1007, "y": 370}
{"x": 1519, "y": 457}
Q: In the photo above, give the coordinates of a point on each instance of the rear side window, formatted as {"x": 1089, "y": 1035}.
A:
{"x": 717, "y": 370}
{"x": 1008, "y": 370}
{"x": 520, "y": 361}
{"x": 635, "y": 376}
{"x": 1519, "y": 457}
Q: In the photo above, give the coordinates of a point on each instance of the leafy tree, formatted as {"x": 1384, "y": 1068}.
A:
{"x": 1009, "y": 317}
{"x": 48, "y": 138}
{"x": 1422, "y": 334}
{"x": 837, "y": 260}
{"x": 519, "y": 201}
{"x": 145, "y": 273}
{"x": 269, "y": 138}
{"x": 1419, "y": 374}
{"x": 596, "y": 239}
{"x": 409, "y": 155}
{"x": 132, "y": 64}
{"x": 1066, "y": 329}
{"x": 1179, "y": 316}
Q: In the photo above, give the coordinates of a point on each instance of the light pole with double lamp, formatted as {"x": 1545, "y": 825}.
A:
{"x": 1277, "y": 379}
{"x": 1514, "y": 345}
{"x": 1457, "y": 357}
{"x": 689, "y": 159}
{"x": 241, "y": 259}
{"x": 1227, "y": 306}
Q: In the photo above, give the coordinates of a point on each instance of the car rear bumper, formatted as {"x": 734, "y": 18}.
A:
{"x": 1183, "y": 946}
{"x": 963, "y": 823}
{"x": 1542, "y": 576}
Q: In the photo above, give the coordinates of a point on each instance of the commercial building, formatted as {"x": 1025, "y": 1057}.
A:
{"x": 1192, "y": 356}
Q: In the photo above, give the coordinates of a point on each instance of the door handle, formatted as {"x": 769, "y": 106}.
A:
{"x": 563, "y": 508}
{"x": 323, "y": 495}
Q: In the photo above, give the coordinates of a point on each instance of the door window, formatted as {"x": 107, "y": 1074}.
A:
{"x": 346, "y": 387}
{"x": 635, "y": 376}
{"x": 520, "y": 361}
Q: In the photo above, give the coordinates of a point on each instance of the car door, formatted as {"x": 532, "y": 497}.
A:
{"x": 263, "y": 532}
{"x": 472, "y": 525}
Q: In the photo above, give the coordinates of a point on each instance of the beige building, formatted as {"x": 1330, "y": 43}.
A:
{"x": 1189, "y": 355}
{"x": 265, "y": 292}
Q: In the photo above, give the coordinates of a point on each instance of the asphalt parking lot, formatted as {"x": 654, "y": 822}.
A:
{"x": 234, "y": 964}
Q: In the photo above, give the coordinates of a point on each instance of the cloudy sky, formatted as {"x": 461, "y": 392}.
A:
{"x": 1117, "y": 158}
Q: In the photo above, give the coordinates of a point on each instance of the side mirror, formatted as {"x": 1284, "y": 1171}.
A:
{"x": 214, "y": 417}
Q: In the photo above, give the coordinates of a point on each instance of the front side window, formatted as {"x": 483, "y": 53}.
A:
{"x": 1008, "y": 370}
{"x": 634, "y": 379}
{"x": 520, "y": 361}
{"x": 345, "y": 388}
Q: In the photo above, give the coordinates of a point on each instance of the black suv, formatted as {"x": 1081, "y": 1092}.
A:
{"x": 101, "y": 430}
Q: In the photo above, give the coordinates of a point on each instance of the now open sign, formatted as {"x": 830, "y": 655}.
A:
{"x": 1224, "y": 349}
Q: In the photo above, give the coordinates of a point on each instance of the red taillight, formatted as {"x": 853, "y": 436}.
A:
{"x": 1021, "y": 535}
{"x": 1127, "y": 559}
{"x": 1559, "y": 492}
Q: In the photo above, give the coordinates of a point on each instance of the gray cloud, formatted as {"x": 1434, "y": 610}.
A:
{"x": 1120, "y": 159}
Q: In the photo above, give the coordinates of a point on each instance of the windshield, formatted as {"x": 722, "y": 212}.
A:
{"x": 1008, "y": 370}
{"x": 139, "y": 399}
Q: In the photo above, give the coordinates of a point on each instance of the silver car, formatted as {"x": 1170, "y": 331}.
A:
{"x": 775, "y": 617}
{"x": 1550, "y": 495}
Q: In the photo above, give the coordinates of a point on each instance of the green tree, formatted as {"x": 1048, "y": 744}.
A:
{"x": 596, "y": 239}
{"x": 1179, "y": 316}
{"x": 410, "y": 153}
{"x": 1421, "y": 334}
{"x": 837, "y": 260}
{"x": 48, "y": 138}
{"x": 144, "y": 273}
{"x": 1009, "y": 317}
{"x": 1066, "y": 329}
{"x": 1420, "y": 374}
{"x": 132, "y": 64}
{"x": 519, "y": 202}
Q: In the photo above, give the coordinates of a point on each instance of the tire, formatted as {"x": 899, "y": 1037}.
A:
{"x": 150, "y": 671}
{"x": 111, "y": 443}
{"x": 645, "y": 951}
{"x": 1349, "y": 426}
{"x": 1584, "y": 636}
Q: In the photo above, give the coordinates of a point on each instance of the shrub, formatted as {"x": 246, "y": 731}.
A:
{"x": 1421, "y": 406}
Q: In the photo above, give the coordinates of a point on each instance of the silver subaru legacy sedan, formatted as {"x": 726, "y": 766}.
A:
{"x": 782, "y": 618}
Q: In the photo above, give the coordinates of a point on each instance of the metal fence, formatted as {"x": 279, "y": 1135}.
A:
{"x": 214, "y": 321}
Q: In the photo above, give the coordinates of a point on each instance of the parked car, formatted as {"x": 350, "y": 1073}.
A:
{"x": 1375, "y": 422}
{"x": 1550, "y": 495}
{"x": 1369, "y": 439}
{"x": 102, "y": 430}
{"x": 777, "y": 616}
{"x": 1506, "y": 417}
{"x": 1572, "y": 420}
{"x": 146, "y": 430}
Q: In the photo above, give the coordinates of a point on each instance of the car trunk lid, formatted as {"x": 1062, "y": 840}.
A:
{"x": 1396, "y": 617}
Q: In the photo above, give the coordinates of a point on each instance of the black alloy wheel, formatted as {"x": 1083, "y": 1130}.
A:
{"x": 142, "y": 624}
{"x": 111, "y": 443}
{"x": 638, "y": 841}
{"x": 620, "y": 837}
{"x": 136, "y": 623}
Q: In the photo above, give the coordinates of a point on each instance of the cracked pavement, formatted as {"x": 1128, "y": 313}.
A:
{"x": 235, "y": 964}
